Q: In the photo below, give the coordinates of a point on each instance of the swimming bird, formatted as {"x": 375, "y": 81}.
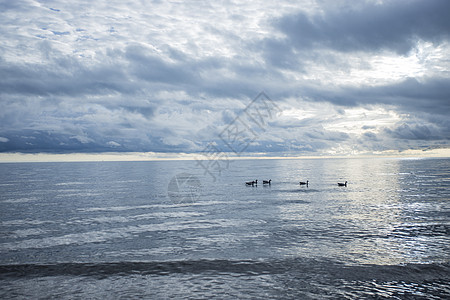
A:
{"x": 254, "y": 182}
{"x": 304, "y": 183}
{"x": 267, "y": 181}
{"x": 342, "y": 184}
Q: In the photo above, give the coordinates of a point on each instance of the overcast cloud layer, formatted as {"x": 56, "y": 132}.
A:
{"x": 348, "y": 76}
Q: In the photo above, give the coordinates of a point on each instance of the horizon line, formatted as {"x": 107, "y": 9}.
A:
{"x": 18, "y": 157}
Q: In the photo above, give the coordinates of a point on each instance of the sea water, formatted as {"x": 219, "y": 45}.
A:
{"x": 174, "y": 229}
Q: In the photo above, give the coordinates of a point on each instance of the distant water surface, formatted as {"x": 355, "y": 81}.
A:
{"x": 167, "y": 229}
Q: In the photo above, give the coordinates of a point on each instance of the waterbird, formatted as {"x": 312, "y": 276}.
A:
{"x": 304, "y": 183}
{"x": 342, "y": 184}
{"x": 252, "y": 182}
{"x": 267, "y": 181}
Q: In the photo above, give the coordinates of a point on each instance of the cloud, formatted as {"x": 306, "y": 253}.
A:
{"x": 393, "y": 25}
{"x": 410, "y": 95}
{"x": 414, "y": 132}
{"x": 62, "y": 76}
{"x": 169, "y": 77}
{"x": 153, "y": 68}
{"x": 113, "y": 144}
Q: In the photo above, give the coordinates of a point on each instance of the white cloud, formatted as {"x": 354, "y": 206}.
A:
{"x": 113, "y": 144}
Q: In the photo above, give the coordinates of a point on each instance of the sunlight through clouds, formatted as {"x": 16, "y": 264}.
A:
{"x": 358, "y": 120}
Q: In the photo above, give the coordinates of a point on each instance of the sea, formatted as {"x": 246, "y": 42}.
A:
{"x": 196, "y": 230}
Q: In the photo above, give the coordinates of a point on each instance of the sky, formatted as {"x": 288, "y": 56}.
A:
{"x": 346, "y": 77}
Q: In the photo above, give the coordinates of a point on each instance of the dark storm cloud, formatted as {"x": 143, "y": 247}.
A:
{"x": 414, "y": 132}
{"x": 370, "y": 136}
{"x": 62, "y": 77}
{"x": 30, "y": 141}
{"x": 394, "y": 25}
{"x": 430, "y": 96}
{"x": 44, "y": 141}
{"x": 152, "y": 68}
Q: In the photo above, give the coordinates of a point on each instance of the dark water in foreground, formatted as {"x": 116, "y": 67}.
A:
{"x": 120, "y": 230}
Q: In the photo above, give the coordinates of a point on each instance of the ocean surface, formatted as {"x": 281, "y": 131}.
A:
{"x": 178, "y": 229}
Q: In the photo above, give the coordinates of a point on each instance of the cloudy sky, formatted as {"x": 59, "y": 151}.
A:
{"x": 170, "y": 76}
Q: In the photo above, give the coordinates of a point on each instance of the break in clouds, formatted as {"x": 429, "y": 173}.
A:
{"x": 117, "y": 76}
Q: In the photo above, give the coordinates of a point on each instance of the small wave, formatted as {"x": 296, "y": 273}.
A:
{"x": 422, "y": 230}
{"x": 297, "y": 201}
{"x": 71, "y": 183}
{"x": 97, "y": 236}
{"x": 22, "y": 233}
{"x": 121, "y": 219}
{"x": 300, "y": 190}
{"x": 150, "y": 206}
{"x": 78, "y": 194}
{"x": 299, "y": 267}
{"x": 20, "y": 200}
{"x": 20, "y": 222}
{"x": 143, "y": 268}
